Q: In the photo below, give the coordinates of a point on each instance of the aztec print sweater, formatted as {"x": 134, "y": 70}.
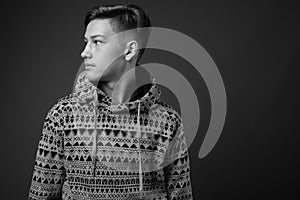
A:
{"x": 133, "y": 150}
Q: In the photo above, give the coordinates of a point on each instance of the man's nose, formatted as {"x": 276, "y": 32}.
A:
{"x": 86, "y": 53}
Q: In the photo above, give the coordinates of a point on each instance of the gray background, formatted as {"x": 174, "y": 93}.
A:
{"x": 252, "y": 42}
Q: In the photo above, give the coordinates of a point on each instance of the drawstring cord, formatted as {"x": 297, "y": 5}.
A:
{"x": 140, "y": 159}
{"x": 94, "y": 150}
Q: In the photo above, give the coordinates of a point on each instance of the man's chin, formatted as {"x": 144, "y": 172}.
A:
{"x": 95, "y": 79}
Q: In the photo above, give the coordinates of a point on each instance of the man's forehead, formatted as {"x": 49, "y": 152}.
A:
{"x": 99, "y": 27}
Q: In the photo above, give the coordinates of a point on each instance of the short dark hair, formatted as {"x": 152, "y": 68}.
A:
{"x": 123, "y": 18}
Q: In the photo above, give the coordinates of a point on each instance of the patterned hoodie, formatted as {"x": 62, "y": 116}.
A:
{"x": 133, "y": 150}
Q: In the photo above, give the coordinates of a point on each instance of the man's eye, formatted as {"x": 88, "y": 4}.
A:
{"x": 98, "y": 42}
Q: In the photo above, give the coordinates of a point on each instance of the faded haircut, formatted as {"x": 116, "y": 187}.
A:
{"x": 123, "y": 18}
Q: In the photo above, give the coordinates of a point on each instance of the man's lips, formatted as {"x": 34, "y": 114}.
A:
{"x": 87, "y": 65}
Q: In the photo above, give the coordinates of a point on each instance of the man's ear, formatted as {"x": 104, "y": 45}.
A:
{"x": 131, "y": 49}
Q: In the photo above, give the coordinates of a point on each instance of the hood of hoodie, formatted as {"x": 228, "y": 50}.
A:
{"x": 140, "y": 103}
{"x": 146, "y": 95}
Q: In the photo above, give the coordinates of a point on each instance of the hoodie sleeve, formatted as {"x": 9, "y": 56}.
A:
{"x": 49, "y": 172}
{"x": 177, "y": 171}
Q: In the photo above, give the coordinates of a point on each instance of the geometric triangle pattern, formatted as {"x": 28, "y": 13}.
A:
{"x": 64, "y": 167}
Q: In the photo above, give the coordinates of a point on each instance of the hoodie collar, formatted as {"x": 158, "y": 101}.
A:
{"x": 146, "y": 95}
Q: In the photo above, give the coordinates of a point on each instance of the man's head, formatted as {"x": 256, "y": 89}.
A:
{"x": 106, "y": 45}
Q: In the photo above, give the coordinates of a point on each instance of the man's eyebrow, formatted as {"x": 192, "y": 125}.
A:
{"x": 94, "y": 36}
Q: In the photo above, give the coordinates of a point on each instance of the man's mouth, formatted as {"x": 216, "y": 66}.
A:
{"x": 88, "y": 65}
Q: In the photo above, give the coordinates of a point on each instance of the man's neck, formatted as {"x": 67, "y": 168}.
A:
{"x": 120, "y": 90}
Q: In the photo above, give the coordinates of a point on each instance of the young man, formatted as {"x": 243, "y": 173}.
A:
{"x": 101, "y": 142}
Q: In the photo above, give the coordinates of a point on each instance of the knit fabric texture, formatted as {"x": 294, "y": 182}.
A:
{"x": 93, "y": 148}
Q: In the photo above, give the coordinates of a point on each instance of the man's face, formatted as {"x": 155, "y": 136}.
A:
{"x": 102, "y": 51}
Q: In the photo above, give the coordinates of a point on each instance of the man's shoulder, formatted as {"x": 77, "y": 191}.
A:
{"x": 59, "y": 107}
{"x": 62, "y": 105}
{"x": 165, "y": 111}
